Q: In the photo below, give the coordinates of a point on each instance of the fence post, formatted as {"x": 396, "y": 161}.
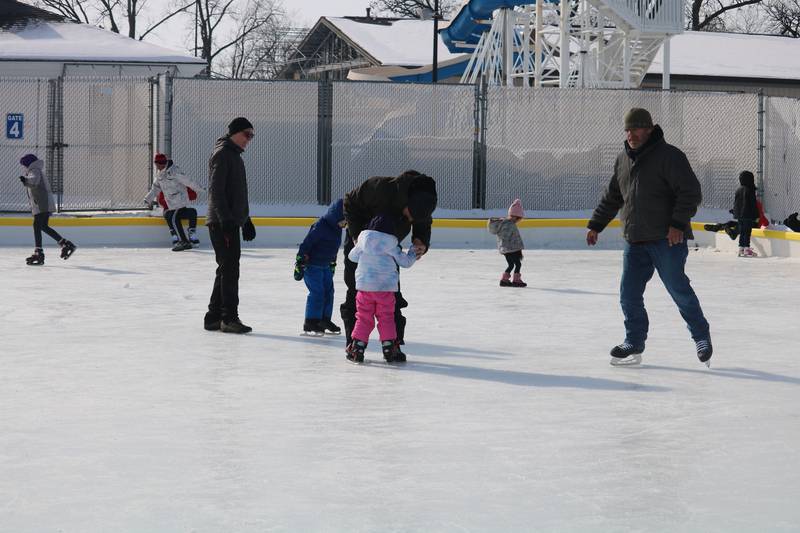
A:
{"x": 479, "y": 145}
{"x": 324, "y": 142}
{"x": 55, "y": 138}
{"x": 761, "y": 145}
{"x": 152, "y": 106}
{"x": 167, "y": 105}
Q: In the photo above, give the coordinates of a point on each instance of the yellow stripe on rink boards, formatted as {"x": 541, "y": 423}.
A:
{"x": 457, "y": 223}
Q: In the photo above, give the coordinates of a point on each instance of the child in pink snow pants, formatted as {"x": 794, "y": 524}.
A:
{"x": 378, "y": 256}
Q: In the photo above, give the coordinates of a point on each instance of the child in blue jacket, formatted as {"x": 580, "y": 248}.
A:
{"x": 315, "y": 263}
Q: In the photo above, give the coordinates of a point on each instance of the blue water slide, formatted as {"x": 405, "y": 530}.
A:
{"x": 466, "y": 28}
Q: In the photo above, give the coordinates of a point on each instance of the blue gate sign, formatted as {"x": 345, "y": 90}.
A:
{"x": 14, "y": 125}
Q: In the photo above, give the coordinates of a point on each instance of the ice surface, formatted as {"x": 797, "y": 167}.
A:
{"x": 118, "y": 412}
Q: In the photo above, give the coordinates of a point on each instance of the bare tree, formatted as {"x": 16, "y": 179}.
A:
{"x": 708, "y": 15}
{"x": 74, "y": 10}
{"x": 784, "y": 16}
{"x": 411, "y": 8}
{"x": 248, "y": 17}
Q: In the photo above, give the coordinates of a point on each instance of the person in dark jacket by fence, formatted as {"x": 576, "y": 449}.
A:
{"x": 228, "y": 212}
{"x": 656, "y": 194}
{"x": 745, "y": 211}
{"x": 410, "y": 199}
{"x": 315, "y": 263}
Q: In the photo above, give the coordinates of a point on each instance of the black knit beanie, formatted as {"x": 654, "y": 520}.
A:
{"x": 238, "y": 124}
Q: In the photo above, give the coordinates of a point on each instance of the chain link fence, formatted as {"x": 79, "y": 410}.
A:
{"x": 23, "y": 110}
{"x": 107, "y": 144}
{"x": 281, "y": 160}
{"x": 782, "y": 157}
{"x": 555, "y": 150}
{"x": 383, "y": 129}
{"x": 314, "y": 142}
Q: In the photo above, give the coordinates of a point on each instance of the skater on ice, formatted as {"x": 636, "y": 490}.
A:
{"x": 315, "y": 263}
{"x": 174, "y": 191}
{"x": 228, "y": 214}
{"x": 745, "y": 211}
{"x": 42, "y": 205}
{"x": 378, "y": 256}
{"x": 410, "y": 199}
{"x": 656, "y": 194}
{"x": 509, "y": 243}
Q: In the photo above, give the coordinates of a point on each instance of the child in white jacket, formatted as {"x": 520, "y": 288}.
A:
{"x": 378, "y": 255}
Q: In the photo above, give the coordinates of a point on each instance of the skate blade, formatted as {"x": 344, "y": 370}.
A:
{"x": 631, "y": 360}
{"x": 311, "y": 334}
{"x": 333, "y": 333}
{"x": 67, "y": 255}
{"x": 357, "y": 363}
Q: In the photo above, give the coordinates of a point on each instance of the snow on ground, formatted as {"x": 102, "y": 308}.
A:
{"x": 118, "y": 412}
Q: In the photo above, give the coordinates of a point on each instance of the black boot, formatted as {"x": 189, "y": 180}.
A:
{"x": 355, "y": 351}
{"x": 67, "y": 248}
{"x": 211, "y": 322}
{"x": 392, "y": 353}
{"x": 704, "y": 351}
{"x": 626, "y": 354}
{"x": 313, "y": 327}
{"x": 329, "y": 327}
{"x": 37, "y": 258}
{"x": 234, "y": 326}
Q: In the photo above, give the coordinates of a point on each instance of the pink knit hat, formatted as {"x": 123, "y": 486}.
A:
{"x": 516, "y": 209}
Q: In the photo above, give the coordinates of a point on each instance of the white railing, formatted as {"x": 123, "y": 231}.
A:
{"x": 656, "y": 16}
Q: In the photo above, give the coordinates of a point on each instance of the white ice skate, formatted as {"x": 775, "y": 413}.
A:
{"x": 633, "y": 359}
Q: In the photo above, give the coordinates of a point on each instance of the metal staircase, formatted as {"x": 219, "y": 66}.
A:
{"x": 563, "y": 43}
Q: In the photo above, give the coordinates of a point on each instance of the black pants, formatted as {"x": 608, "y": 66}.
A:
{"x": 514, "y": 260}
{"x": 745, "y": 230}
{"x": 174, "y": 216}
{"x": 40, "y": 224}
{"x": 224, "y": 303}
{"x": 348, "y": 308}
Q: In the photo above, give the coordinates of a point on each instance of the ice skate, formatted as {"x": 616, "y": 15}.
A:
{"x": 313, "y": 327}
{"x": 505, "y": 280}
{"x": 391, "y": 352}
{"x": 234, "y": 326}
{"x": 626, "y": 354}
{"x": 329, "y": 327}
{"x": 704, "y": 351}
{"x": 173, "y": 237}
{"x": 355, "y": 352}
{"x": 518, "y": 281}
{"x": 37, "y": 259}
{"x": 67, "y": 248}
{"x": 747, "y": 252}
{"x": 181, "y": 246}
{"x": 192, "y": 234}
{"x": 211, "y": 322}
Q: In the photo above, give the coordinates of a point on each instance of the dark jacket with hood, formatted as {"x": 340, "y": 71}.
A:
{"x": 227, "y": 185}
{"x": 653, "y": 188}
{"x": 389, "y": 196}
{"x": 744, "y": 204}
{"x": 321, "y": 245}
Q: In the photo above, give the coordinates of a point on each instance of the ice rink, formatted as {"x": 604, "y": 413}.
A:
{"x": 118, "y": 412}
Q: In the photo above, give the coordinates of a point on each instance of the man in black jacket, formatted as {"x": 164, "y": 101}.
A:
{"x": 228, "y": 211}
{"x": 410, "y": 200}
{"x": 745, "y": 211}
{"x": 656, "y": 194}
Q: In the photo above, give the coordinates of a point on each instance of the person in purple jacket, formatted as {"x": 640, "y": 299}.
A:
{"x": 315, "y": 263}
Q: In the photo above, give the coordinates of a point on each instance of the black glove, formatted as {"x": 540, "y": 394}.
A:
{"x": 299, "y": 267}
{"x": 22, "y": 179}
{"x": 333, "y": 267}
{"x": 248, "y": 230}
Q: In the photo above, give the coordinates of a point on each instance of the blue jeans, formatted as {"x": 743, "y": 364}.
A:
{"x": 640, "y": 260}
{"x": 319, "y": 280}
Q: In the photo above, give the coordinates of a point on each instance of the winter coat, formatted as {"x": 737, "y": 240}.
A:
{"x": 744, "y": 203}
{"x": 508, "y": 238}
{"x": 387, "y": 196}
{"x": 38, "y": 188}
{"x": 172, "y": 182}
{"x": 378, "y": 256}
{"x": 321, "y": 245}
{"x": 653, "y": 188}
{"x": 227, "y": 185}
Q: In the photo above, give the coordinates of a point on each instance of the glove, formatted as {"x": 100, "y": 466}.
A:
{"x": 248, "y": 230}
{"x": 299, "y": 267}
{"x": 333, "y": 267}
{"x": 22, "y": 179}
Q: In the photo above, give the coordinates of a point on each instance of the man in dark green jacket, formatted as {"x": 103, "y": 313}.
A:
{"x": 656, "y": 194}
{"x": 409, "y": 200}
{"x": 228, "y": 212}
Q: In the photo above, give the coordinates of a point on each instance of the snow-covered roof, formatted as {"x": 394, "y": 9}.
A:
{"x": 72, "y": 42}
{"x": 402, "y": 42}
{"x": 734, "y": 55}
